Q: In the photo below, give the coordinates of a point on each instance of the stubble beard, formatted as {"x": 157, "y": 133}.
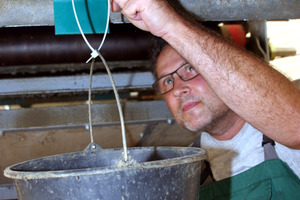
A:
{"x": 198, "y": 125}
{"x": 187, "y": 119}
{"x": 208, "y": 120}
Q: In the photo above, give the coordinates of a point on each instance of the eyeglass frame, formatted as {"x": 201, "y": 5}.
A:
{"x": 173, "y": 80}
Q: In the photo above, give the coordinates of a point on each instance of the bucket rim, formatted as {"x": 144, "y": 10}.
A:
{"x": 197, "y": 155}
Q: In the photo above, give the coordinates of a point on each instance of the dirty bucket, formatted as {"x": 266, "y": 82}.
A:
{"x": 160, "y": 173}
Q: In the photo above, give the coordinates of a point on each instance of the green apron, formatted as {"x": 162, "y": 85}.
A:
{"x": 271, "y": 179}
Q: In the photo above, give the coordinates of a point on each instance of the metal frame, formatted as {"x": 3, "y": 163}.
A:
{"x": 77, "y": 116}
{"x": 37, "y": 13}
{"x": 70, "y": 84}
{"x": 239, "y": 10}
{"x": 73, "y": 68}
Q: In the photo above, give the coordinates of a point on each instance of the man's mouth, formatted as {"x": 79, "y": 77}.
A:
{"x": 189, "y": 105}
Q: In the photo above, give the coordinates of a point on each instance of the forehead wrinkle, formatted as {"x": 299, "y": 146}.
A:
{"x": 168, "y": 56}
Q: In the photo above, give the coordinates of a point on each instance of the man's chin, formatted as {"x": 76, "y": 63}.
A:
{"x": 192, "y": 127}
{"x": 195, "y": 125}
{"x": 187, "y": 120}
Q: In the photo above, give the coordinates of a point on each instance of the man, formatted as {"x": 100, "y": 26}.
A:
{"x": 196, "y": 107}
{"x": 210, "y": 85}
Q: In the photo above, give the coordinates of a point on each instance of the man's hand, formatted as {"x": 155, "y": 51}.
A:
{"x": 156, "y": 16}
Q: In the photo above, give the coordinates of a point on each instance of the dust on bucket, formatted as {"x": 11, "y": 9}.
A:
{"x": 159, "y": 173}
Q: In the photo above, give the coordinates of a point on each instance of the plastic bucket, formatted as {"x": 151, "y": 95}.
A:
{"x": 161, "y": 173}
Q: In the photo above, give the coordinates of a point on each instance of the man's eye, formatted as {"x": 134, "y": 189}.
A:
{"x": 168, "y": 81}
{"x": 189, "y": 68}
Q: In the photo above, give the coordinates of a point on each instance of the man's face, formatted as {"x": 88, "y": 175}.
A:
{"x": 193, "y": 103}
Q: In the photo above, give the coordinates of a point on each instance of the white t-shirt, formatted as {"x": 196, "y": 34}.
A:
{"x": 244, "y": 151}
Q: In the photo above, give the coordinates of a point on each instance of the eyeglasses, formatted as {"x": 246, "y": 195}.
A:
{"x": 165, "y": 83}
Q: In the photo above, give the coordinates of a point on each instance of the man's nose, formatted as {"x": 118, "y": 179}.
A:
{"x": 180, "y": 87}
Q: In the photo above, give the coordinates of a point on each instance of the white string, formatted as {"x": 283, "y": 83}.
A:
{"x": 78, "y": 24}
{"x": 94, "y": 54}
{"x": 106, "y": 29}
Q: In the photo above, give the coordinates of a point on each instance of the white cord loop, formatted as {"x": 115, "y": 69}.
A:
{"x": 94, "y": 53}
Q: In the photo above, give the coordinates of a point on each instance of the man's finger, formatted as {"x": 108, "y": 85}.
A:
{"x": 117, "y": 5}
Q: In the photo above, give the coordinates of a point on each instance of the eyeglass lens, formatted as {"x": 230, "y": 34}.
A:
{"x": 185, "y": 72}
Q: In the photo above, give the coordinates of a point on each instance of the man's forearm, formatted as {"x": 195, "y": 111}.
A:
{"x": 248, "y": 85}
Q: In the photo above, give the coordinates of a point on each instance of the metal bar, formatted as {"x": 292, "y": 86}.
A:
{"x": 26, "y": 13}
{"x": 237, "y": 10}
{"x": 77, "y": 116}
{"x": 36, "y": 12}
{"x": 71, "y": 68}
{"x": 8, "y": 191}
{"x": 63, "y": 84}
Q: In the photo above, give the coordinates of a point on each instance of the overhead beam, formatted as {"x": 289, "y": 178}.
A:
{"x": 72, "y": 68}
{"x": 241, "y": 10}
{"x": 36, "y": 12}
{"x": 71, "y": 84}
